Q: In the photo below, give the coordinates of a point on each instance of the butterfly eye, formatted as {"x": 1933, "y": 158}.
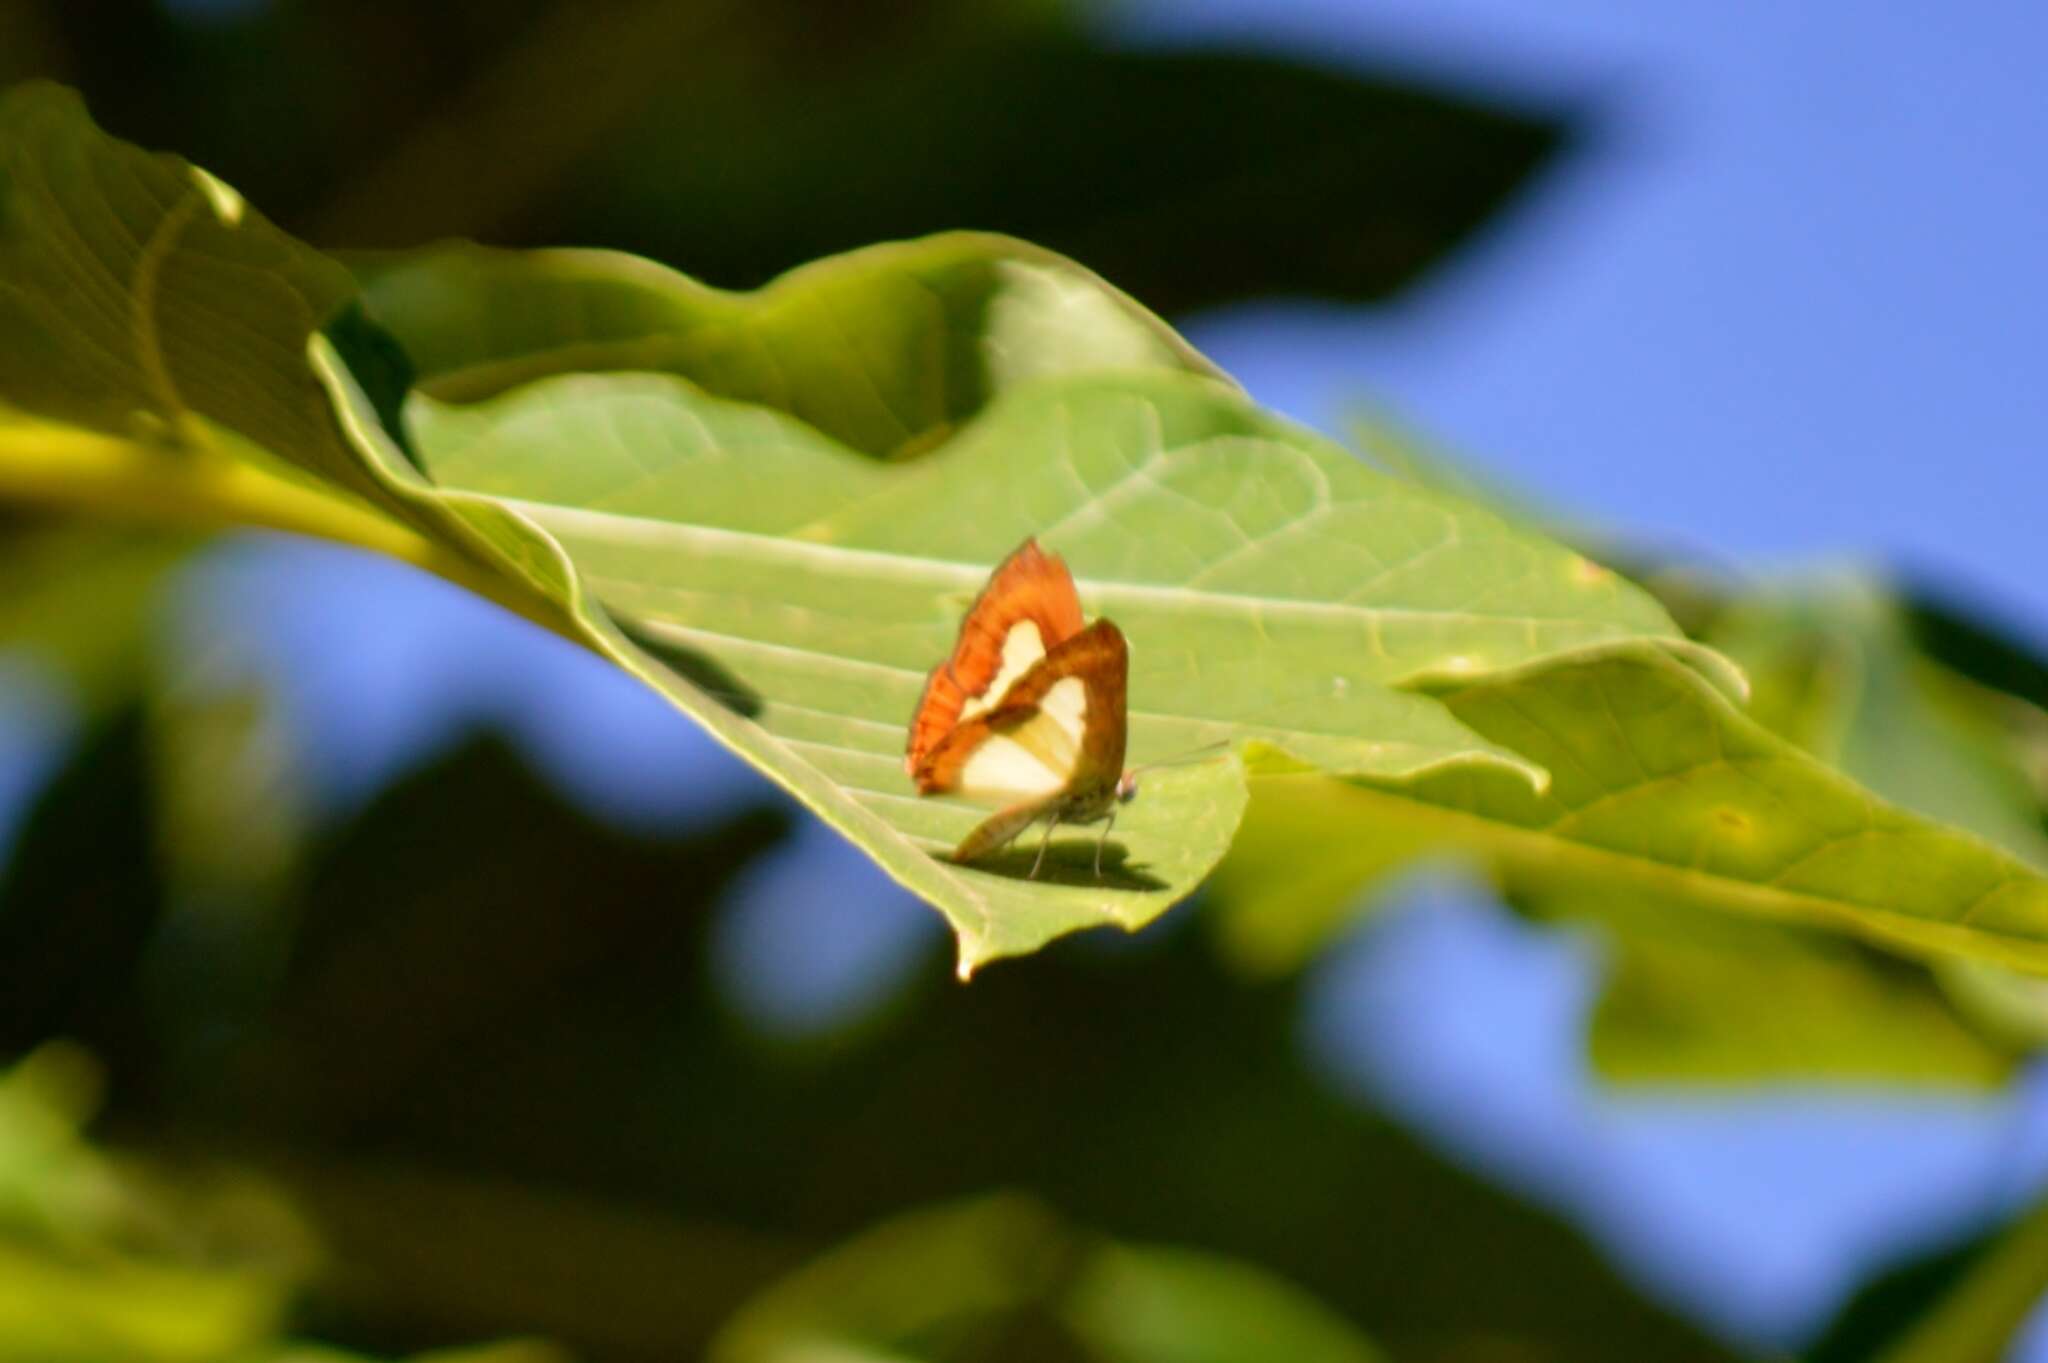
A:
{"x": 1127, "y": 789}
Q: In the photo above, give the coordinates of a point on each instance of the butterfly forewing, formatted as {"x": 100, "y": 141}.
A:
{"x": 1028, "y": 609}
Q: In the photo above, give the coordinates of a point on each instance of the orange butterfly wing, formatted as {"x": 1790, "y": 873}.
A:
{"x": 1030, "y": 585}
{"x": 1100, "y": 658}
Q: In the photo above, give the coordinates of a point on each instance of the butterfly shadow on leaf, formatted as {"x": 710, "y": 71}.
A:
{"x": 1069, "y": 861}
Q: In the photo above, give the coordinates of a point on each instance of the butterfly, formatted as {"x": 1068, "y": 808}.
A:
{"x": 1028, "y": 711}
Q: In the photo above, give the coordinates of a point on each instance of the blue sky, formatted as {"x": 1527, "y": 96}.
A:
{"x": 1787, "y": 306}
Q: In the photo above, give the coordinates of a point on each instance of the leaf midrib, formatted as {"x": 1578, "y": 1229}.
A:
{"x": 900, "y": 856}
{"x": 905, "y": 567}
{"x": 1774, "y": 901}
{"x": 1260, "y": 731}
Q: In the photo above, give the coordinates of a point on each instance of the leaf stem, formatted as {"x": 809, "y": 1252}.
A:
{"x": 104, "y": 475}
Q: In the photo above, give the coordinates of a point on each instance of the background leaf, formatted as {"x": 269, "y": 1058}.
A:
{"x": 449, "y": 1087}
{"x": 885, "y": 348}
{"x": 1686, "y": 991}
{"x": 1193, "y": 177}
{"x": 1661, "y": 788}
{"x": 1273, "y": 588}
{"x": 999, "y": 1277}
{"x": 1320, "y": 585}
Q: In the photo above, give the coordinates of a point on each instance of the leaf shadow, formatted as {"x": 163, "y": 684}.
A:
{"x": 1071, "y": 863}
{"x": 700, "y": 670}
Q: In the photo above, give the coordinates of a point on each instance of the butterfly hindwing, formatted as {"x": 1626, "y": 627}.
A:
{"x": 1033, "y": 755}
{"x": 1060, "y": 727}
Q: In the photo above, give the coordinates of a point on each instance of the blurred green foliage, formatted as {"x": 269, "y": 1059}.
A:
{"x": 494, "y": 1082}
{"x": 736, "y": 139}
{"x": 1908, "y": 699}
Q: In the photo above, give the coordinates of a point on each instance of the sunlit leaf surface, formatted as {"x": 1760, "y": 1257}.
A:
{"x": 1853, "y": 689}
{"x": 1690, "y": 994}
{"x": 780, "y": 526}
{"x": 882, "y": 349}
{"x": 1274, "y": 590}
{"x": 1662, "y": 788}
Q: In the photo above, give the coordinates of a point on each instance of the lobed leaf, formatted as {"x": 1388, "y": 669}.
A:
{"x": 1275, "y": 591}
{"x": 884, "y": 349}
{"x": 1662, "y": 789}
{"x": 1857, "y": 691}
{"x": 779, "y": 526}
{"x": 953, "y": 337}
{"x": 929, "y": 1284}
{"x": 142, "y": 298}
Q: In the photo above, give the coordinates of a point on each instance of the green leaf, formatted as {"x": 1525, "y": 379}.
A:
{"x": 1685, "y": 990}
{"x": 97, "y": 1263}
{"x": 156, "y": 327}
{"x": 1153, "y": 1304}
{"x": 998, "y": 1274}
{"x": 1893, "y": 720}
{"x": 1662, "y": 788}
{"x": 948, "y": 325}
{"x": 143, "y": 293}
{"x": 1693, "y": 996}
{"x": 206, "y": 316}
{"x": 963, "y": 347}
{"x": 1275, "y": 591}
{"x": 1689, "y": 998}
{"x": 1913, "y": 732}
{"x": 740, "y": 145}
{"x": 1686, "y": 987}
{"x": 884, "y": 349}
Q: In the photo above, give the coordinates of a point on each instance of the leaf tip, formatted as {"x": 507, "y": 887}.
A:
{"x": 1586, "y": 573}
{"x": 972, "y": 956}
{"x": 226, "y": 202}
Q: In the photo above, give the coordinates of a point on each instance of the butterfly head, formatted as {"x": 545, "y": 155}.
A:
{"x": 1127, "y": 788}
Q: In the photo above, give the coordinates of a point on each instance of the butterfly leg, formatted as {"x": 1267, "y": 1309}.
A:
{"x": 1043, "y": 843}
{"x": 1101, "y": 840}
